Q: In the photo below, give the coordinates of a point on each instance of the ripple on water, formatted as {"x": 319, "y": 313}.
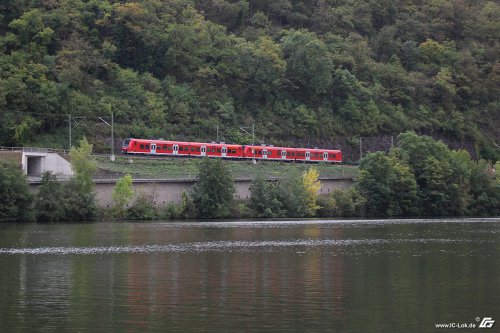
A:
{"x": 217, "y": 246}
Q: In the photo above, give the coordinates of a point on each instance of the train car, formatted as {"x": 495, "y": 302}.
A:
{"x": 229, "y": 151}
{"x": 318, "y": 155}
{"x": 222, "y": 150}
{"x": 138, "y": 146}
{"x": 269, "y": 153}
{"x": 155, "y": 147}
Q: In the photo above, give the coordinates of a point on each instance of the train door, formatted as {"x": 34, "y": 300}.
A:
{"x": 325, "y": 156}
{"x": 153, "y": 148}
{"x": 264, "y": 153}
{"x": 176, "y": 149}
{"x": 224, "y": 151}
{"x": 203, "y": 150}
{"x": 283, "y": 154}
{"x": 308, "y": 155}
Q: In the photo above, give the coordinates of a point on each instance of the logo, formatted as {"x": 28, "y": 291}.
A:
{"x": 487, "y": 322}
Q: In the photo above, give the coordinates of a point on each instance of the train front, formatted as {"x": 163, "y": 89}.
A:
{"x": 126, "y": 146}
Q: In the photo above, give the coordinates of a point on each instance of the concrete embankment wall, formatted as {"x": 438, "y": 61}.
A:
{"x": 163, "y": 191}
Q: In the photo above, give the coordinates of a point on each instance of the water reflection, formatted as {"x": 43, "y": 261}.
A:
{"x": 282, "y": 276}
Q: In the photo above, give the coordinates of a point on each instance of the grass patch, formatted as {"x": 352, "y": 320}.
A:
{"x": 174, "y": 168}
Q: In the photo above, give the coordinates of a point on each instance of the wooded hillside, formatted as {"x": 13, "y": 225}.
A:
{"x": 311, "y": 70}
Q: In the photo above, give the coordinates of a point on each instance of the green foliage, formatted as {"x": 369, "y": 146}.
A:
{"x": 83, "y": 165}
{"x": 265, "y": 198}
{"x": 309, "y": 64}
{"x": 50, "y": 199}
{"x": 80, "y": 195}
{"x": 188, "y": 209}
{"x": 422, "y": 176}
{"x": 288, "y": 197}
{"x": 80, "y": 204}
{"x": 15, "y": 197}
{"x": 122, "y": 192}
{"x": 293, "y": 195}
{"x": 388, "y": 186}
{"x": 485, "y": 189}
{"x": 142, "y": 209}
{"x": 213, "y": 192}
{"x": 342, "y": 203}
{"x": 301, "y": 69}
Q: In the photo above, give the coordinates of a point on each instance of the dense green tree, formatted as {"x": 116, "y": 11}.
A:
{"x": 309, "y": 64}
{"x": 484, "y": 189}
{"x": 293, "y": 195}
{"x": 388, "y": 186}
{"x": 142, "y": 209}
{"x": 79, "y": 192}
{"x": 80, "y": 204}
{"x": 214, "y": 190}
{"x": 342, "y": 203}
{"x": 50, "y": 200}
{"x": 16, "y": 200}
{"x": 264, "y": 198}
{"x": 83, "y": 165}
{"x": 122, "y": 193}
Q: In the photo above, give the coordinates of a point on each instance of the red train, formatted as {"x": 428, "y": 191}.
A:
{"x": 229, "y": 151}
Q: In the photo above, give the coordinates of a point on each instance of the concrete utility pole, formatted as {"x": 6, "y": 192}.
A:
{"x": 69, "y": 124}
{"x": 112, "y": 125}
{"x": 112, "y": 136}
{"x": 71, "y": 120}
{"x": 253, "y": 139}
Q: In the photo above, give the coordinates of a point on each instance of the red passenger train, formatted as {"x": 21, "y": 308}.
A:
{"x": 229, "y": 151}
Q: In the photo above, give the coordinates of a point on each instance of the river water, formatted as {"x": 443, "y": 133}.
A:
{"x": 249, "y": 276}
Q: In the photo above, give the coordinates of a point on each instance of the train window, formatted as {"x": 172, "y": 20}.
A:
{"x": 147, "y": 146}
{"x": 218, "y": 150}
{"x": 142, "y": 146}
{"x": 234, "y": 151}
{"x": 193, "y": 149}
{"x": 334, "y": 155}
{"x": 197, "y": 149}
{"x": 169, "y": 147}
{"x": 293, "y": 153}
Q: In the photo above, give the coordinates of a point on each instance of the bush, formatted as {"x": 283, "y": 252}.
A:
{"x": 213, "y": 192}
{"x": 342, "y": 203}
{"x": 80, "y": 204}
{"x": 264, "y": 199}
{"x": 16, "y": 200}
{"x": 50, "y": 201}
{"x": 142, "y": 209}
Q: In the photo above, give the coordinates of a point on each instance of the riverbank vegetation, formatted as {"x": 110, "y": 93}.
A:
{"x": 418, "y": 177}
{"x": 304, "y": 72}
